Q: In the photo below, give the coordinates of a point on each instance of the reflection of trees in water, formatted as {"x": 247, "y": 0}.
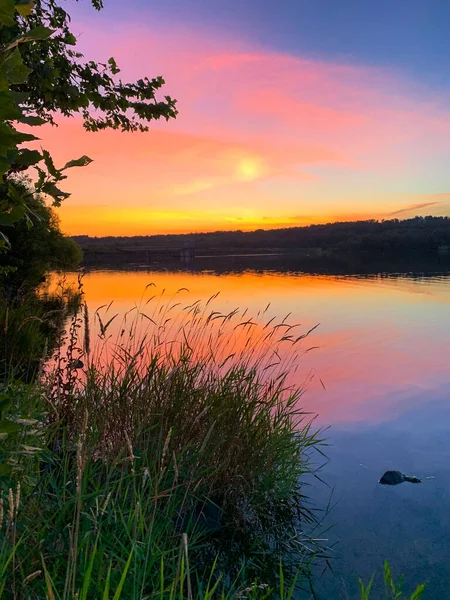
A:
{"x": 360, "y": 241}
{"x": 31, "y": 326}
{"x": 289, "y": 264}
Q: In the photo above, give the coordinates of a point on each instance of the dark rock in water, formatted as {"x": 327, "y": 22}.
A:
{"x": 395, "y": 477}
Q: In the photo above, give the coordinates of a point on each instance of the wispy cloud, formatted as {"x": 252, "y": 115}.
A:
{"x": 412, "y": 208}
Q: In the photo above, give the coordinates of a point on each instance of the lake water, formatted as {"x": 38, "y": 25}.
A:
{"x": 384, "y": 358}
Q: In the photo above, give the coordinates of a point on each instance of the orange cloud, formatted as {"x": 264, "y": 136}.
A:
{"x": 170, "y": 163}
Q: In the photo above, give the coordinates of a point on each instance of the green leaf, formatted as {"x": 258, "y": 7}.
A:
{"x": 7, "y": 426}
{"x": 365, "y": 591}
{"x": 25, "y": 7}
{"x": 7, "y": 138}
{"x": 83, "y": 161}
{"x": 10, "y": 137}
{"x": 8, "y": 109}
{"x": 28, "y": 221}
{"x": 388, "y": 579}
{"x": 4, "y": 240}
{"x": 32, "y": 120}
{"x": 15, "y": 70}
{"x": 106, "y": 586}
{"x": 113, "y": 66}
{"x": 28, "y": 157}
{"x": 5, "y": 165}
{"x": 418, "y": 593}
{"x": 35, "y": 34}
{"x": 25, "y": 137}
{"x": 49, "y": 164}
{"x": 70, "y": 39}
{"x": 15, "y": 194}
{"x": 58, "y": 195}
{"x": 6, "y": 12}
{"x": 20, "y": 97}
{"x": 123, "y": 577}
{"x": 40, "y": 182}
{"x": 88, "y": 575}
{"x": 9, "y": 218}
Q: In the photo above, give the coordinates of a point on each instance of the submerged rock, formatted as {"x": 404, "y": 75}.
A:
{"x": 395, "y": 477}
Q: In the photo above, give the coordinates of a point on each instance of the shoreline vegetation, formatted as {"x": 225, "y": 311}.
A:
{"x": 150, "y": 444}
{"x": 161, "y": 453}
{"x": 426, "y": 238}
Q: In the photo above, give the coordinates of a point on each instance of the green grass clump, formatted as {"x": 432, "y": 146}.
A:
{"x": 170, "y": 465}
{"x": 394, "y": 589}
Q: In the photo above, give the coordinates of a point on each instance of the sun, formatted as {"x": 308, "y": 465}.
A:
{"x": 249, "y": 169}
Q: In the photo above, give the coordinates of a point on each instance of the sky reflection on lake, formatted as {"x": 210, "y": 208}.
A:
{"x": 384, "y": 358}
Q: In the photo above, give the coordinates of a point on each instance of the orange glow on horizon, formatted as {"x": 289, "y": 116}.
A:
{"x": 101, "y": 221}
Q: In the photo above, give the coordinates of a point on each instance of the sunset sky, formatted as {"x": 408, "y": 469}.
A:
{"x": 291, "y": 112}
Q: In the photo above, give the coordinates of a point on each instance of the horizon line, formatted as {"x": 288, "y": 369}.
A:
{"x": 272, "y": 229}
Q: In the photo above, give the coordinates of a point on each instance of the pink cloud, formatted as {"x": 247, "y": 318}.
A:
{"x": 248, "y": 116}
{"x": 244, "y": 93}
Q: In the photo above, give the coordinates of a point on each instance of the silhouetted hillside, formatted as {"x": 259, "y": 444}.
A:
{"x": 424, "y": 236}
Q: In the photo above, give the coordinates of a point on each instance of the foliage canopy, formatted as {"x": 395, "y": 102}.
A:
{"x": 41, "y": 73}
{"x": 37, "y": 249}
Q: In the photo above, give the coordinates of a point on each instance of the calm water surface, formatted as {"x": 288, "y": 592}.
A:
{"x": 384, "y": 358}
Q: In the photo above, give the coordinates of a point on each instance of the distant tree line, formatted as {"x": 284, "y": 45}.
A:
{"x": 420, "y": 235}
